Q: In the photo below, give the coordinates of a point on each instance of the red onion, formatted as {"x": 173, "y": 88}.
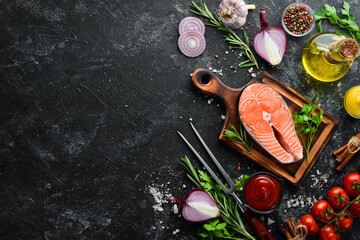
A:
{"x": 198, "y": 206}
{"x": 270, "y": 42}
{"x": 192, "y": 43}
{"x": 191, "y": 24}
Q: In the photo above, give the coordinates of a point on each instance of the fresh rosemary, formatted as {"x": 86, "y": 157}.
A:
{"x": 239, "y": 137}
{"x": 229, "y": 211}
{"x": 231, "y": 36}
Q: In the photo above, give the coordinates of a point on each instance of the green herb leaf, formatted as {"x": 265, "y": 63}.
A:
{"x": 319, "y": 15}
{"x": 319, "y": 26}
{"x": 240, "y": 184}
{"x": 209, "y": 227}
{"x": 307, "y": 123}
{"x": 246, "y": 38}
{"x": 345, "y": 10}
{"x": 220, "y": 226}
{"x": 239, "y": 137}
{"x": 330, "y": 12}
{"x": 246, "y": 65}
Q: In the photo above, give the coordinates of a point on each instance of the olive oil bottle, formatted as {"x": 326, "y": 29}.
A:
{"x": 328, "y": 56}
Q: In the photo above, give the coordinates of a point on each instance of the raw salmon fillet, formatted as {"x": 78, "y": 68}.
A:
{"x": 267, "y": 118}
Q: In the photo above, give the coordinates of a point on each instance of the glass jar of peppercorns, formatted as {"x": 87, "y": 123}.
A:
{"x": 298, "y": 19}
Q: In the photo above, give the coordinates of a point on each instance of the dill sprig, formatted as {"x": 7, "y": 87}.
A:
{"x": 239, "y": 137}
{"x": 231, "y": 36}
{"x": 229, "y": 211}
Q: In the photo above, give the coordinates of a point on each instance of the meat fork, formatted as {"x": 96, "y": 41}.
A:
{"x": 253, "y": 221}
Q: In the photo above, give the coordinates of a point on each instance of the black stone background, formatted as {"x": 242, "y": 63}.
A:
{"x": 92, "y": 94}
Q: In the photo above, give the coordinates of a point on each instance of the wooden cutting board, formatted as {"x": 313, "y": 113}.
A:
{"x": 208, "y": 83}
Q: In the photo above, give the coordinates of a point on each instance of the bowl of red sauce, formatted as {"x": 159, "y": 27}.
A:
{"x": 263, "y": 192}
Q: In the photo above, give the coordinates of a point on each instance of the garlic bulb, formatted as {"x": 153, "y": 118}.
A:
{"x": 233, "y": 12}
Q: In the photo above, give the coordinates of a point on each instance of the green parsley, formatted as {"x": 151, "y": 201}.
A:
{"x": 229, "y": 223}
{"x": 306, "y": 123}
{"x": 345, "y": 20}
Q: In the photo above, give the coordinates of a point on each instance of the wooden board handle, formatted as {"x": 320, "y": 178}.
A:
{"x": 260, "y": 230}
{"x": 210, "y": 84}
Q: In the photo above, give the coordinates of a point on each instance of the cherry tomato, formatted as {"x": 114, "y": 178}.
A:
{"x": 310, "y": 223}
{"x": 355, "y": 208}
{"x": 351, "y": 184}
{"x": 334, "y": 202}
{"x": 345, "y": 223}
{"x": 328, "y": 233}
{"x": 319, "y": 207}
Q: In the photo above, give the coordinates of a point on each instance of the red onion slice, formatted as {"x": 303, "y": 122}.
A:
{"x": 191, "y": 24}
{"x": 198, "y": 206}
{"x": 270, "y": 42}
{"x": 192, "y": 43}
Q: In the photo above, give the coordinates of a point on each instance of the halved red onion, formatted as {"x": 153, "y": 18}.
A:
{"x": 270, "y": 42}
{"x": 191, "y": 24}
{"x": 192, "y": 43}
{"x": 198, "y": 206}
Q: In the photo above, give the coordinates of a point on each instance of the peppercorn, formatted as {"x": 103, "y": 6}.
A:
{"x": 297, "y": 19}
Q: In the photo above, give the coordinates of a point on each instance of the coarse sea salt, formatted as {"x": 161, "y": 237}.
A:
{"x": 159, "y": 198}
{"x": 176, "y": 209}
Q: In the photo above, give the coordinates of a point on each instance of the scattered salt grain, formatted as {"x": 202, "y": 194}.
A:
{"x": 226, "y": 52}
{"x": 253, "y": 75}
{"x": 317, "y": 172}
{"x": 270, "y": 221}
{"x": 191, "y": 74}
{"x": 176, "y": 231}
{"x": 190, "y": 119}
{"x": 159, "y": 198}
{"x": 176, "y": 209}
{"x": 251, "y": 70}
{"x": 222, "y": 116}
{"x": 126, "y": 105}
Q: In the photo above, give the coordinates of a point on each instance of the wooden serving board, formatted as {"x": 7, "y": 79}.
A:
{"x": 295, "y": 173}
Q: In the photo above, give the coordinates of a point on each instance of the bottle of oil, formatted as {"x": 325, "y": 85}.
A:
{"x": 328, "y": 56}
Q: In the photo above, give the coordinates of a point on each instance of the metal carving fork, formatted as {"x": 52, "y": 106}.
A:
{"x": 253, "y": 221}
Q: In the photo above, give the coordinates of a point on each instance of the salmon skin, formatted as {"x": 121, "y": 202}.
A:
{"x": 267, "y": 118}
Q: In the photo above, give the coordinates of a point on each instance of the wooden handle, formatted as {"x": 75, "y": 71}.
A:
{"x": 260, "y": 230}
{"x": 207, "y": 82}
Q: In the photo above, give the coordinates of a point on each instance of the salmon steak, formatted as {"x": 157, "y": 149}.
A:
{"x": 266, "y": 117}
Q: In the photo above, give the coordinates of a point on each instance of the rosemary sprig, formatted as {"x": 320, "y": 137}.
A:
{"x": 231, "y": 36}
{"x": 229, "y": 211}
{"x": 239, "y": 137}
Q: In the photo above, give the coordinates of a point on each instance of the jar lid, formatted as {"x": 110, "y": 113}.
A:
{"x": 349, "y": 48}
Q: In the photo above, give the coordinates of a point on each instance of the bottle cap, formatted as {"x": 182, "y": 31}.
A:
{"x": 349, "y": 48}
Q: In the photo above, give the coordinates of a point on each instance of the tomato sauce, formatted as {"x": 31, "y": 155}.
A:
{"x": 262, "y": 192}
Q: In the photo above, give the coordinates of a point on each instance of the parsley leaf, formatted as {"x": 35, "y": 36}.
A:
{"x": 307, "y": 123}
{"x": 330, "y": 12}
{"x": 345, "y": 20}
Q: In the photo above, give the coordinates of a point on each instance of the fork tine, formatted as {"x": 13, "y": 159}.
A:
{"x": 204, "y": 163}
{"x": 223, "y": 172}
